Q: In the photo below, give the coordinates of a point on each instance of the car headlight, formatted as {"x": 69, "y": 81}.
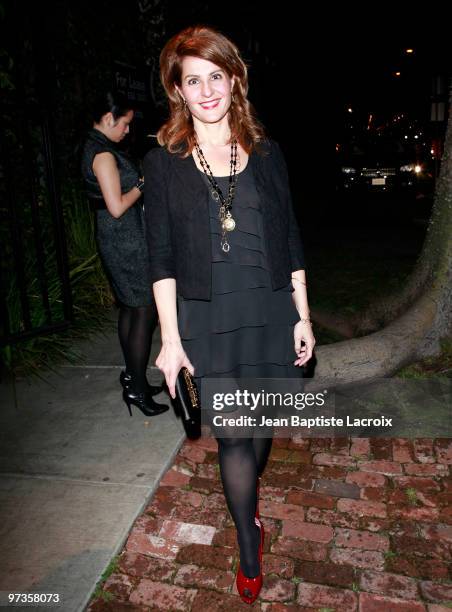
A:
{"x": 416, "y": 168}
{"x": 348, "y": 170}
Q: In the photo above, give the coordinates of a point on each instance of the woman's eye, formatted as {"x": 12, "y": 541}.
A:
{"x": 192, "y": 81}
{"x": 216, "y": 75}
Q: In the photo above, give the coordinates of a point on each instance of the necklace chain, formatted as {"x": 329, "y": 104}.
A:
{"x": 226, "y": 220}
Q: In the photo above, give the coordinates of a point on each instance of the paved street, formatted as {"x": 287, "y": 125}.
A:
{"x": 351, "y": 524}
{"x": 75, "y": 471}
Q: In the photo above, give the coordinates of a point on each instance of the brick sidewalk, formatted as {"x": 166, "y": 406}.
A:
{"x": 351, "y": 524}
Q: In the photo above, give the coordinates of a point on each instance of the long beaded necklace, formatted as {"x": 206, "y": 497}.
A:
{"x": 226, "y": 220}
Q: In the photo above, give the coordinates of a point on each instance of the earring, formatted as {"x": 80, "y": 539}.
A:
{"x": 232, "y": 97}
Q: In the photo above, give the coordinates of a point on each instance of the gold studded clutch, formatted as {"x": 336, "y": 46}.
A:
{"x": 188, "y": 403}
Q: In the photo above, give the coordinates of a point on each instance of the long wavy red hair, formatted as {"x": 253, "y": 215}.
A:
{"x": 177, "y": 134}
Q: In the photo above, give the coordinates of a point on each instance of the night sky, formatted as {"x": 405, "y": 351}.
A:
{"x": 313, "y": 62}
{"x": 332, "y": 56}
{"x": 307, "y": 63}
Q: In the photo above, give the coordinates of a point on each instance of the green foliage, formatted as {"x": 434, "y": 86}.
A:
{"x": 6, "y": 62}
{"x": 105, "y": 595}
{"x": 412, "y": 496}
{"x": 6, "y": 66}
{"x": 99, "y": 593}
{"x": 439, "y": 366}
{"x": 389, "y": 554}
{"x": 81, "y": 44}
{"x": 111, "y": 567}
{"x": 90, "y": 291}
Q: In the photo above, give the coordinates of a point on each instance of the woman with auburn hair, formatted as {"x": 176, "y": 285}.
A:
{"x": 227, "y": 262}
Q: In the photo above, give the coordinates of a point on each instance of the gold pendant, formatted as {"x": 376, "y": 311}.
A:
{"x": 228, "y": 223}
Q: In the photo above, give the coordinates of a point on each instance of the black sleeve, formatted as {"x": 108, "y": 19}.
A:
{"x": 294, "y": 238}
{"x": 157, "y": 217}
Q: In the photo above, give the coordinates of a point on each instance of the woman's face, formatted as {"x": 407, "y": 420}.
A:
{"x": 118, "y": 130}
{"x": 206, "y": 88}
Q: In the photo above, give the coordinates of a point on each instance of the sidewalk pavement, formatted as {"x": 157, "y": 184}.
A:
{"x": 75, "y": 472}
{"x": 352, "y": 524}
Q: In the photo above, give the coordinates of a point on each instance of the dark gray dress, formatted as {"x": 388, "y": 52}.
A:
{"x": 121, "y": 242}
{"x": 246, "y": 329}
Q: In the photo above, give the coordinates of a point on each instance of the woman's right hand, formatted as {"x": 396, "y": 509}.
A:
{"x": 171, "y": 359}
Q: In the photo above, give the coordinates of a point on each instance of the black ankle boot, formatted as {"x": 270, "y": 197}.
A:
{"x": 144, "y": 402}
{"x": 126, "y": 380}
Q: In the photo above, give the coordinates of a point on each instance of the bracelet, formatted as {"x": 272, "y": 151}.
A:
{"x": 306, "y": 321}
{"x": 140, "y": 185}
{"x": 298, "y": 280}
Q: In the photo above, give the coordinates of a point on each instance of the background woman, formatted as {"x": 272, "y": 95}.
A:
{"x": 227, "y": 262}
{"x": 114, "y": 189}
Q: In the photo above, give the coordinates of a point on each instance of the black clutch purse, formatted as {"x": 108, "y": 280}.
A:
{"x": 188, "y": 403}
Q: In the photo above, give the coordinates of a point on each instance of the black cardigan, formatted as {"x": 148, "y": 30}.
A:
{"x": 176, "y": 203}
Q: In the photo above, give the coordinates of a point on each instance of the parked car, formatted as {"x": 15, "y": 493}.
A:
{"x": 379, "y": 164}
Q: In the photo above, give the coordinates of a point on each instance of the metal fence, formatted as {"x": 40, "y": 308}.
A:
{"x": 35, "y": 294}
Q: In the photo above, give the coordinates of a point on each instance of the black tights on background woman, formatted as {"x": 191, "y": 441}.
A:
{"x": 135, "y": 327}
{"x": 114, "y": 189}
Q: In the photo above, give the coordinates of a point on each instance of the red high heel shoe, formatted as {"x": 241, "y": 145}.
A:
{"x": 249, "y": 588}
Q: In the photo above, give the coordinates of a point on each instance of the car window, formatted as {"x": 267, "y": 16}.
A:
{"x": 377, "y": 147}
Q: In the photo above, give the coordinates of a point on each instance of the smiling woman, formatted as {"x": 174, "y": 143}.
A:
{"x": 206, "y": 85}
{"x": 207, "y": 94}
{"x": 227, "y": 262}
{"x": 205, "y": 91}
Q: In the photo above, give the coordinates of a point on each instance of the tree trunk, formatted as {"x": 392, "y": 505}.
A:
{"x": 419, "y": 317}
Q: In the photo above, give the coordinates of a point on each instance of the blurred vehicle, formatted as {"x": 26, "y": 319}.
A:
{"x": 377, "y": 163}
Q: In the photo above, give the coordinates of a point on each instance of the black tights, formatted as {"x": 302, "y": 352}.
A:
{"x": 242, "y": 461}
{"x": 135, "y": 328}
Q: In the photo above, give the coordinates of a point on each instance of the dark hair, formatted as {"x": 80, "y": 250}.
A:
{"x": 115, "y": 103}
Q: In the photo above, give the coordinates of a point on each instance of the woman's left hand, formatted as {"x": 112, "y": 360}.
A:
{"x": 303, "y": 332}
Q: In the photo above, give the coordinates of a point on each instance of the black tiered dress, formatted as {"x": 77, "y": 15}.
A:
{"x": 246, "y": 329}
